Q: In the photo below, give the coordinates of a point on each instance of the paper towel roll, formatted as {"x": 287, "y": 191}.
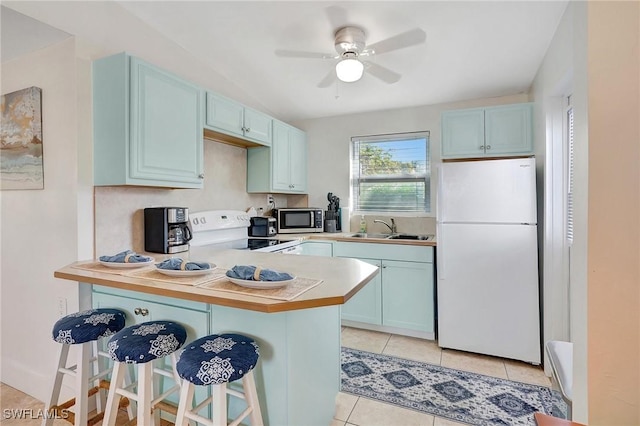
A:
{"x": 345, "y": 219}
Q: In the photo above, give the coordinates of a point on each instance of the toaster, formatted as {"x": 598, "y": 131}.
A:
{"x": 262, "y": 226}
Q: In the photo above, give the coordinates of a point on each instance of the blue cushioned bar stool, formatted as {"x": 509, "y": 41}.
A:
{"x": 83, "y": 329}
{"x": 142, "y": 344}
{"x": 215, "y": 361}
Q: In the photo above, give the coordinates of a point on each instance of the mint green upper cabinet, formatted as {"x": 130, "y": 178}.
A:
{"x": 232, "y": 118}
{"x": 488, "y": 132}
{"x": 508, "y": 129}
{"x": 463, "y": 133}
{"x": 147, "y": 125}
{"x": 282, "y": 168}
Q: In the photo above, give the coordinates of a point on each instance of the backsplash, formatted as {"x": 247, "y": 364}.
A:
{"x": 119, "y": 222}
{"x": 407, "y": 225}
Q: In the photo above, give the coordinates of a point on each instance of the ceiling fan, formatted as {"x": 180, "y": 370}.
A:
{"x": 353, "y": 52}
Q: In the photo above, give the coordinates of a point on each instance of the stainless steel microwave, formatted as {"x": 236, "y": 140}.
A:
{"x": 299, "y": 220}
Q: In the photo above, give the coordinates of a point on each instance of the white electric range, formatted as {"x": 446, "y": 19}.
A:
{"x": 228, "y": 229}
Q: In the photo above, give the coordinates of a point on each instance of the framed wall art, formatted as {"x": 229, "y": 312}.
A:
{"x": 21, "y": 162}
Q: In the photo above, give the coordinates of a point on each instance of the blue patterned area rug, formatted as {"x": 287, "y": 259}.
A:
{"x": 457, "y": 395}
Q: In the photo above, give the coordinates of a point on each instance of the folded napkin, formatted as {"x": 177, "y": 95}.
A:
{"x": 126, "y": 256}
{"x": 255, "y": 273}
{"x": 182, "y": 265}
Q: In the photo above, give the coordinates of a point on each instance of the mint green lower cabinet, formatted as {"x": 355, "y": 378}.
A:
{"x": 317, "y": 248}
{"x": 193, "y": 316}
{"x": 407, "y": 295}
{"x": 401, "y": 298}
{"x": 366, "y": 305}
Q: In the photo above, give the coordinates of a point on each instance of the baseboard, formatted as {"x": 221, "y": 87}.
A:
{"x": 392, "y": 330}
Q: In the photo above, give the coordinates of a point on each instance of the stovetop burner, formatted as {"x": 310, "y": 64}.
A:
{"x": 259, "y": 243}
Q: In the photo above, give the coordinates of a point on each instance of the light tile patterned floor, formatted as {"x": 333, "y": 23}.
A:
{"x": 357, "y": 411}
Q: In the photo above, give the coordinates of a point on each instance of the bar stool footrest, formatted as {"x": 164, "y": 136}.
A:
{"x": 70, "y": 415}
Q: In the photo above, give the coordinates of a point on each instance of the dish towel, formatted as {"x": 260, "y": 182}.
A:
{"x": 178, "y": 264}
{"x": 126, "y": 256}
{"x": 255, "y": 273}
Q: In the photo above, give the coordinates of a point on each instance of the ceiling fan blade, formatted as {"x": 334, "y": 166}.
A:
{"x": 384, "y": 74}
{"x": 328, "y": 79}
{"x": 303, "y": 54}
{"x": 400, "y": 41}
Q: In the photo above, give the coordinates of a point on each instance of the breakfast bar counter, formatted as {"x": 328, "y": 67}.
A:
{"x": 298, "y": 375}
{"x": 341, "y": 279}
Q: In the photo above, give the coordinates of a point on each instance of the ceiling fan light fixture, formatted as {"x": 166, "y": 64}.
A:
{"x": 349, "y": 70}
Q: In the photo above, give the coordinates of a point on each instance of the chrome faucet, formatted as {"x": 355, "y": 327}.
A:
{"x": 392, "y": 227}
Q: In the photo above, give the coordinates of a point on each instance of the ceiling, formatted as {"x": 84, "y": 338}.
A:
{"x": 474, "y": 49}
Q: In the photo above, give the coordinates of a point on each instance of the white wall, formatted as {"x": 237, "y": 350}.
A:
{"x": 563, "y": 72}
{"x": 551, "y": 86}
{"x": 41, "y": 229}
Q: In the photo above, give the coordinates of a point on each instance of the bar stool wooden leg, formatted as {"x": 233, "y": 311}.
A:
{"x": 98, "y": 366}
{"x": 57, "y": 383}
{"x": 111, "y": 409}
{"x": 251, "y": 394}
{"x": 186, "y": 399}
{"x": 82, "y": 384}
{"x": 145, "y": 393}
{"x": 219, "y": 404}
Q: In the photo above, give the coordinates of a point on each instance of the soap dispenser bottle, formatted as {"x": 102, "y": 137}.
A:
{"x": 363, "y": 225}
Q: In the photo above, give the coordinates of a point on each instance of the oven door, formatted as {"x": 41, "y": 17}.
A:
{"x": 291, "y": 221}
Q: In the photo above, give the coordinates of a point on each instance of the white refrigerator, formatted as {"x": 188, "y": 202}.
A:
{"x": 487, "y": 258}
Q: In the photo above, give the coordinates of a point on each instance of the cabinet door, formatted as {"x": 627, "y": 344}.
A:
{"x": 257, "y": 126}
{"x": 407, "y": 295}
{"x": 225, "y": 114}
{"x": 314, "y": 248}
{"x": 508, "y": 129}
{"x": 166, "y": 126}
{"x": 366, "y": 306}
{"x": 297, "y": 160}
{"x": 280, "y": 157}
{"x": 463, "y": 133}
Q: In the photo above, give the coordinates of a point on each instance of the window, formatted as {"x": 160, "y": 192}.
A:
{"x": 569, "y": 136}
{"x": 391, "y": 173}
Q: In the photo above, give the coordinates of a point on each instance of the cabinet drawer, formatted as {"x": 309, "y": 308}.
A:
{"x": 197, "y": 306}
{"x": 384, "y": 251}
{"x": 138, "y": 311}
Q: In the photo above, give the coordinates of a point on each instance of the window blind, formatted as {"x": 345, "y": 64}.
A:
{"x": 570, "y": 173}
{"x": 391, "y": 173}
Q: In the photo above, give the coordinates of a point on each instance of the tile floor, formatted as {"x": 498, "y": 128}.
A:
{"x": 356, "y": 411}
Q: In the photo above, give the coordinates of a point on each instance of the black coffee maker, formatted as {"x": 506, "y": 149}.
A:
{"x": 166, "y": 229}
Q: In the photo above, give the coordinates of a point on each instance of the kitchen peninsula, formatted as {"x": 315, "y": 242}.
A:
{"x": 298, "y": 376}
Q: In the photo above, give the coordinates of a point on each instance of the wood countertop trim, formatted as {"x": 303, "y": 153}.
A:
{"x": 342, "y": 278}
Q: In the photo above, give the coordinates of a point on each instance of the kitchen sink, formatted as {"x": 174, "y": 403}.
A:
{"x": 369, "y": 235}
{"x": 411, "y": 237}
{"x": 394, "y": 236}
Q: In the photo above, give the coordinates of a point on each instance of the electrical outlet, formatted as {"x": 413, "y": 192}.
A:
{"x": 269, "y": 199}
{"x": 62, "y": 307}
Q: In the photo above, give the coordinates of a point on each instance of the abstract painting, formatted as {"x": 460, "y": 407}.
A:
{"x": 21, "y": 165}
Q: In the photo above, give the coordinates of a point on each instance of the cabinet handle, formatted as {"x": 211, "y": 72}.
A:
{"x": 201, "y": 175}
{"x": 141, "y": 311}
{"x": 481, "y": 147}
{"x": 488, "y": 146}
{"x": 248, "y": 129}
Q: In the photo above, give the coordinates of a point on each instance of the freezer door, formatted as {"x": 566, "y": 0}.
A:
{"x": 488, "y": 290}
{"x": 492, "y": 191}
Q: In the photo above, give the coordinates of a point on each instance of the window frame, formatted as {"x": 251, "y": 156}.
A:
{"x": 390, "y": 137}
